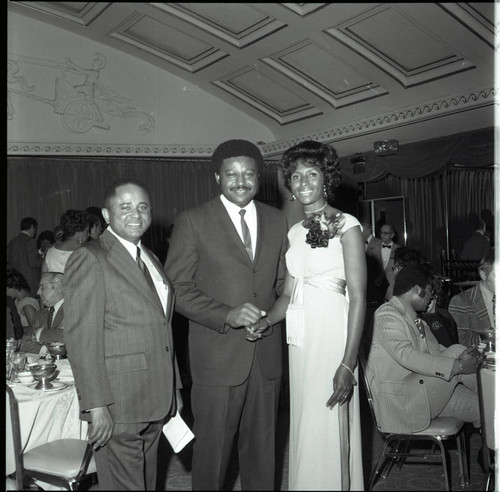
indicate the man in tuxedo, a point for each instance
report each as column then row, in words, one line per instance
column 226, row 262
column 119, row 340
column 22, row 253
column 48, row 322
column 387, row 250
column 474, row 309
column 412, row 377
column 377, row 284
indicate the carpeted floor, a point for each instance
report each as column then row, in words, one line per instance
column 175, row 470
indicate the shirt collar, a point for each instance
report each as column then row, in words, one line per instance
column 130, row 247
column 57, row 305
column 233, row 208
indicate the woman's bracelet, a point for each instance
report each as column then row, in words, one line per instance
column 269, row 330
column 351, row 371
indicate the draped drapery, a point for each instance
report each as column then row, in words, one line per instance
column 459, row 197
column 45, row 187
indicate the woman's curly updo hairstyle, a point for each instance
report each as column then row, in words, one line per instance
column 315, row 154
column 74, row 221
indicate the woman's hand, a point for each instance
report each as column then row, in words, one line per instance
column 343, row 382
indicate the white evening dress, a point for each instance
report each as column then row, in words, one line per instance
column 315, row 430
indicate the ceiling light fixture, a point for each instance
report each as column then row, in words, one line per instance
column 385, row 147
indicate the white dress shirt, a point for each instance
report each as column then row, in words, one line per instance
column 386, row 254
column 161, row 286
column 250, row 218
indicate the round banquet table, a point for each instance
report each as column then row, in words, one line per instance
column 45, row 416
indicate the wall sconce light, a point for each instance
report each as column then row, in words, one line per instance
column 385, row 147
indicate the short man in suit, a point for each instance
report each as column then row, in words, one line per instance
column 22, row 253
column 227, row 267
column 412, row 377
column 48, row 322
column 474, row 309
column 118, row 306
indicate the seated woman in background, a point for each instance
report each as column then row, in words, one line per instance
column 76, row 231
column 25, row 302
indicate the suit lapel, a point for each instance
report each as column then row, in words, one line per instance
column 123, row 263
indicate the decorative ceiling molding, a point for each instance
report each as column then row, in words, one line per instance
column 220, row 20
column 79, row 12
column 397, row 54
column 267, row 95
column 406, row 116
column 149, row 34
column 323, row 73
column 304, row 9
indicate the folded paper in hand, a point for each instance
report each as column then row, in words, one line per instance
column 177, row 432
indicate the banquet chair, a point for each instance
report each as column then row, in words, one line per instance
column 487, row 411
column 397, row 446
column 67, row 463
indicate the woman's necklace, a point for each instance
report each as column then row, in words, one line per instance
column 318, row 210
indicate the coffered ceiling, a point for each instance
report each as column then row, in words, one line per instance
column 347, row 73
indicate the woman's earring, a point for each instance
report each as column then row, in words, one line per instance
column 325, row 194
column 292, row 198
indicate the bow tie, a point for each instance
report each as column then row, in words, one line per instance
column 366, row 242
column 386, row 246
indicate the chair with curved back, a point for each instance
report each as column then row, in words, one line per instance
column 397, row 446
column 67, row 463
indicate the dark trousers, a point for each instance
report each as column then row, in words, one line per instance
column 129, row 460
column 221, row 411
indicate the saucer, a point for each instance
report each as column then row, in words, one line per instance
column 55, row 386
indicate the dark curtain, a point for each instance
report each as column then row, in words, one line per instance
column 461, row 196
column 45, row 187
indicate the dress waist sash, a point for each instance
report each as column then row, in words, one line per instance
column 295, row 320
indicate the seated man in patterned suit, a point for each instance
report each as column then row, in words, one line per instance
column 473, row 309
column 412, row 377
column 48, row 323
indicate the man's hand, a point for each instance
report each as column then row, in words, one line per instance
column 469, row 359
column 100, row 427
column 245, row 315
column 256, row 331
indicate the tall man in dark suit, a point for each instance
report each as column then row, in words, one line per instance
column 387, row 250
column 22, row 253
column 227, row 270
column 118, row 309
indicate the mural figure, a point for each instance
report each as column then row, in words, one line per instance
column 82, row 105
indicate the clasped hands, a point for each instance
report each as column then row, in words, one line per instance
column 251, row 318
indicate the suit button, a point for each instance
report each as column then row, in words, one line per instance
column 167, row 349
column 255, row 294
column 421, row 381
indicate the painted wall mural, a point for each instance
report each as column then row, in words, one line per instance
column 81, row 99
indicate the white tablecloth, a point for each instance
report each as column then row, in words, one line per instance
column 49, row 415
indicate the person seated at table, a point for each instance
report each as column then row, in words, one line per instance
column 48, row 323
column 25, row 302
column 438, row 319
column 473, row 309
column 76, row 232
column 412, row 377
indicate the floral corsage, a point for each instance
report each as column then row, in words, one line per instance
column 322, row 228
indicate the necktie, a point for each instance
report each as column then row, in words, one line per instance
column 247, row 240
column 50, row 317
column 420, row 326
column 386, row 246
column 145, row 271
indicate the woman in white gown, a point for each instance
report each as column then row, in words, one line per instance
column 324, row 300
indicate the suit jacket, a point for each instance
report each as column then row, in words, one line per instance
column 55, row 334
column 118, row 337
column 22, row 254
column 469, row 312
column 398, row 357
column 476, row 247
column 212, row 273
